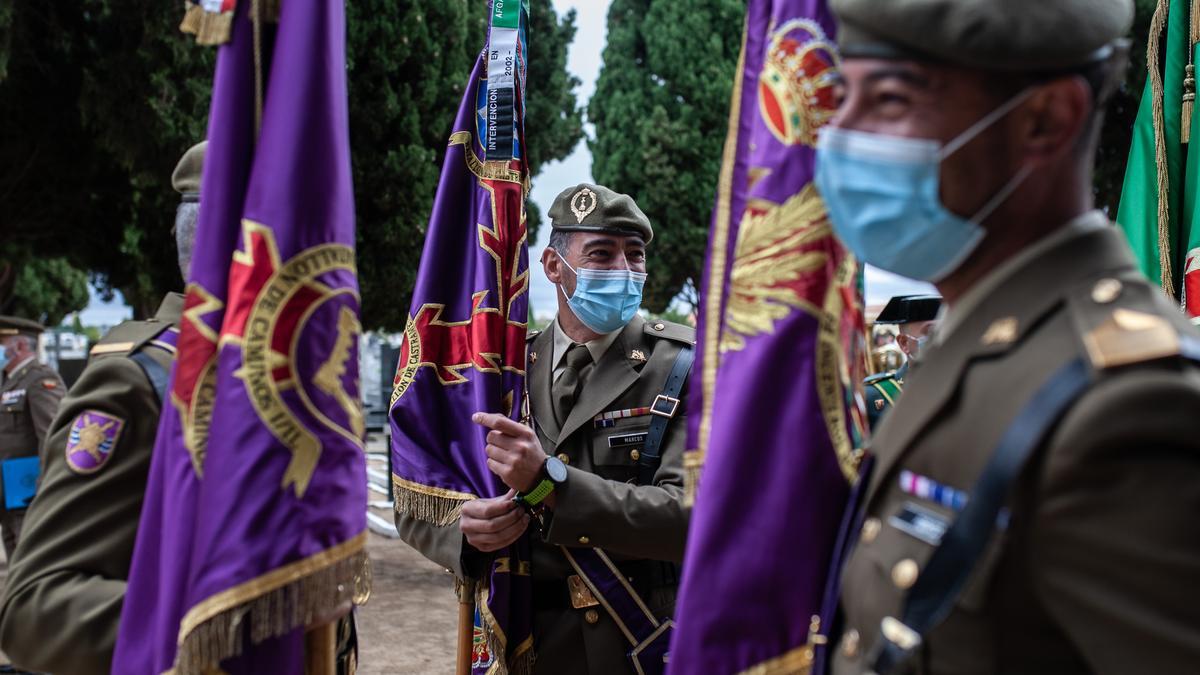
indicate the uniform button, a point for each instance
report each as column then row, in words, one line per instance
column 634, row 455
column 870, row 530
column 660, row 326
column 562, row 457
column 1106, row 290
column 583, row 539
column 591, row 616
column 850, row 643
column 904, row 574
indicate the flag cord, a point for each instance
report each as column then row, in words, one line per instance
column 256, row 19
column 1189, row 78
column 1157, row 25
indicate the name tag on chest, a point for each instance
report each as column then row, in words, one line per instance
column 12, row 397
column 919, row 522
column 626, row 440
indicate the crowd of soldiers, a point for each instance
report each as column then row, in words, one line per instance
column 1049, row 382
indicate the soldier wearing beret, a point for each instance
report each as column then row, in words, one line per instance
column 1032, row 503
column 66, row 582
column 916, row 317
column 601, row 466
column 29, row 396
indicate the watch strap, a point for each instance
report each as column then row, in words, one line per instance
column 538, row 493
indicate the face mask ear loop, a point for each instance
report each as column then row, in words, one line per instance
column 568, row 265
column 985, row 122
column 1004, row 193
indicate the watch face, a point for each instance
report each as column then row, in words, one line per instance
column 556, row 469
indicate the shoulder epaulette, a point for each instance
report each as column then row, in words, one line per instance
column 128, row 337
column 879, row 377
column 671, row 331
column 1122, row 323
column 532, row 335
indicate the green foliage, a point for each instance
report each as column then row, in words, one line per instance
column 1117, row 133
column 660, row 110
column 409, row 63
column 47, row 290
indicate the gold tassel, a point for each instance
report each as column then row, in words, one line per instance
column 192, row 18
column 1189, row 80
column 211, row 635
column 1157, row 24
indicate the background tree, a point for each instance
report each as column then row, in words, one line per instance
column 409, row 63
column 100, row 98
column 660, row 111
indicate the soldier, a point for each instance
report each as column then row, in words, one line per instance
column 1033, row 498
column 602, row 465
column 66, row 583
column 29, row 396
column 916, row 318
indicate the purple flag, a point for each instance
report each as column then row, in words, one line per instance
column 463, row 349
column 778, row 437
column 254, row 522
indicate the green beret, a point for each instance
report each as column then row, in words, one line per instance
column 1006, row 35
column 186, row 179
column 595, row 208
column 15, row 325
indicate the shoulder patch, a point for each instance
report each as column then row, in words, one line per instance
column 92, row 440
column 671, row 331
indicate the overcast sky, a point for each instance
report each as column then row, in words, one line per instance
column 583, row 60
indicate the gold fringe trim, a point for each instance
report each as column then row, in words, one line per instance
column 210, row 28
column 1157, row 23
column 522, row 660
column 693, row 461
column 273, row 604
column 435, row 505
column 717, row 263
column 796, row 662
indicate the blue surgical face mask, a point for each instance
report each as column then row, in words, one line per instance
column 4, row 357
column 605, row 300
column 882, row 194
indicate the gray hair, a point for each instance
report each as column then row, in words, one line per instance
column 185, row 233
column 560, row 241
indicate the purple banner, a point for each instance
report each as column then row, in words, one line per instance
column 255, row 514
column 463, row 352
column 778, row 437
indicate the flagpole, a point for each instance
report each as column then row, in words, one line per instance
column 466, row 626
column 320, row 649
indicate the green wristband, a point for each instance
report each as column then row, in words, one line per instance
column 537, row 494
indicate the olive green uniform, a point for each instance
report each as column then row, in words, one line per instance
column 882, row 390
column 1095, row 570
column 600, row 505
column 67, row 580
column 29, row 397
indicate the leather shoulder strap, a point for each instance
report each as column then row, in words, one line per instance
column 157, row 375
column 663, row 410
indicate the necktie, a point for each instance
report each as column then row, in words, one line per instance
column 566, row 387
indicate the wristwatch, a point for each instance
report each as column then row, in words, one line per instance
column 554, row 473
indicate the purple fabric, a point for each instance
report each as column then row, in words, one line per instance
column 272, row 265
column 464, row 346
column 783, row 423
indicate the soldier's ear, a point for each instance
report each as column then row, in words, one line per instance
column 552, row 264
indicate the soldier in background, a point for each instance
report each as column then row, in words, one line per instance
column 29, row 395
column 67, row 580
column 915, row 316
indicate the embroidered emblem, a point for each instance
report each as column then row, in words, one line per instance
column 93, row 438
column 1001, row 332
column 533, row 357
column 49, row 384
column 637, row 355
column 481, row 653
column 879, row 404
column 582, row 204
column 797, row 86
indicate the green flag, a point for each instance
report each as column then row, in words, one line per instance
column 1158, row 209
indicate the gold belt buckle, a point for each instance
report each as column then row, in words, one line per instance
column 581, row 595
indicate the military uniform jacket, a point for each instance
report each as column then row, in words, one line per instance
column 29, row 399
column 67, row 580
column 601, row 505
column 1096, row 568
column 882, row 390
